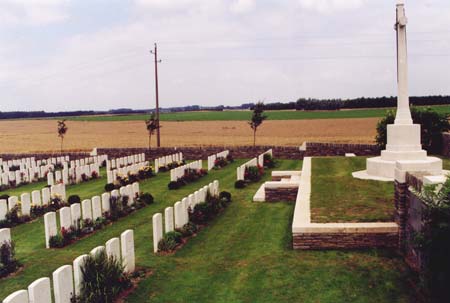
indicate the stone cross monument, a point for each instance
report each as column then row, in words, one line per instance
column 403, row 149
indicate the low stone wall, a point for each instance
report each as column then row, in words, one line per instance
column 322, row 241
column 446, row 144
column 197, row 153
column 278, row 178
column 333, row 149
column 281, row 194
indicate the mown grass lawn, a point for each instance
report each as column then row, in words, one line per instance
column 245, row 255
column 338, row 197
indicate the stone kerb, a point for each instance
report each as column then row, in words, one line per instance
column 307, row 235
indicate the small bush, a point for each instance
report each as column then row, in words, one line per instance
column 239, row 184
column 147, row 198
column 109, row 187
column 8, row 262
column 174, row 235
column 225, row 196
column 74, row 199
column 188, row 229
column 173, row 185
column 56, row 241
column 103, row 279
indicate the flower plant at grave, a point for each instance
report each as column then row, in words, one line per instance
column 269, row 162
column 190, row 175
column 222, row 161
column 253, row 173
column 119, row 208
column 198, row 218
column 143, row 174
column 172, row 165
column 8, row 262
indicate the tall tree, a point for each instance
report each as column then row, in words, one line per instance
column 62, row 130
column 152, row 125
column 257, row 119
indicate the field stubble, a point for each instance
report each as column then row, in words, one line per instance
column 40, row 135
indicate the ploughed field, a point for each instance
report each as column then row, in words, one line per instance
column 244, row 255
column 41, row 135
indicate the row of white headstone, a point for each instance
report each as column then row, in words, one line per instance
column 91, row 209
column 178, row 172
column 29, row 175
column 132, row 169
column 68, row 279
column 88, row 160
column 124, row 161
column 253, row 162
column 28, row 200
column 73, row 175
column 30, row 162
column 212, row 158
column 166, row 160
column 178, row 215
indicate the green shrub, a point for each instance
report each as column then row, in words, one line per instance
column 103, row 279
column 188, row 229
column 239, row 184
column 173, row 185
column 8, row 262
column 225, row 196
column 167, row 244
column 433, row 124
column 147, row 198
column 56, row 241
column 174, row 235
column 74, row 199
column 109, row 187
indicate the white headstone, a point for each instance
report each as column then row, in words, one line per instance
column 157, row 231
column 45, row 196
column 12, row 202
column 78, row 263
column 65, row 217
column 96, row 208
column 179, row 216
column 86, row 209
column 25, row 204
column 168, row 219
column 63, row 284
column 50, row 179
column 40, row 291
column 36, row 197
column 127, row 248
column 113, row 248
column 5, row 236
column 50, row 227
column 97, row 250
column 136, row 189
column 106, row 206
column 75, row 214
column 184, row 207
column 20, row 296
column 3, row 209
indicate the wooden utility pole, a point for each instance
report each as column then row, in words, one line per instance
column 158, row 134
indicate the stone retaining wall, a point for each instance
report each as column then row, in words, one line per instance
column 333, row 149
column 281, row 194
column 321, row 241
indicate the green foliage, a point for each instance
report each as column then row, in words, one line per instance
column 147, row 198
column 225, row 196
column 8, row 262
column 188, row 229
column 434, row 242
column 433, row 124
column 56, row 241
column 151, row 124
column 62, row 130
column 73, row 199
column 269, row 162
column 174, row 185
column 103, row 279
column 239, row 184
column 170, row 241
column 257, row 119
column 110, row 187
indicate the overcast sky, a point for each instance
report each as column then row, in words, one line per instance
column 94, row 54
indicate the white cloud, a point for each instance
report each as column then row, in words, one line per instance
column 330, row 6
column 242, row 6
column 32, row 12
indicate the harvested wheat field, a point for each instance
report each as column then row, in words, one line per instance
column 40, row 135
